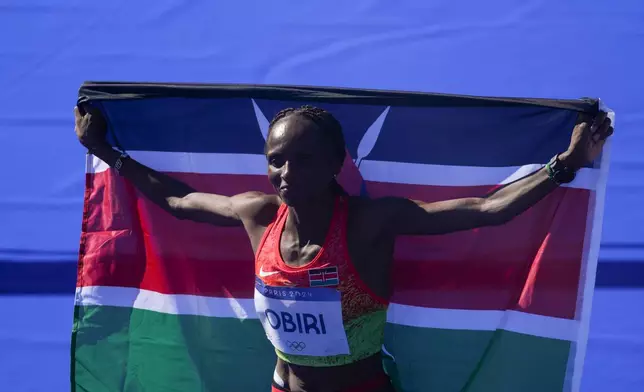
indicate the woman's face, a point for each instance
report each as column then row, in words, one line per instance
column 301, row 163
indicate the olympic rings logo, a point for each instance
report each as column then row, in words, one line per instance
column 298, row 346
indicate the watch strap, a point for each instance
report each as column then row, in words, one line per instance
column 119, row 161
column 558, row 172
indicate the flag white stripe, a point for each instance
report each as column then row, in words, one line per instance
column 393, row 172
column 484, row 320
column 165, row 303
column 195, row 162
column 589, row 266
column 443, row 175
column 454, row 319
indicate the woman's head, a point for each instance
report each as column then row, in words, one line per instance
column 305, row 150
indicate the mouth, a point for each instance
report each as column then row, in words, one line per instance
column 285, row 191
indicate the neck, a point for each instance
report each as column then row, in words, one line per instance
column 309, row 218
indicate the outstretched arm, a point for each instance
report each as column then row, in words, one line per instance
column 176, row 197
column 410, row 217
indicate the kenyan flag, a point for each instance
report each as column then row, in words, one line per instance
column 166, row 305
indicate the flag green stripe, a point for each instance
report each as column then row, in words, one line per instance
column 120, row 348
column 444, row 360
column 126, row 349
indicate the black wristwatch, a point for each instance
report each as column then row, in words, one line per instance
column 558, row 172
column 119, row 161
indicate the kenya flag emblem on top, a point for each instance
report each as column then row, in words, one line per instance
column 324, row 277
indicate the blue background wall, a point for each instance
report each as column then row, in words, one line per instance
column 542, row 48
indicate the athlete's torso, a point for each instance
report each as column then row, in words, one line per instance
column 351, row 269
column 370, row 251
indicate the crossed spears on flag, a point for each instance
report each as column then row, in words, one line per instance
column 366, row 145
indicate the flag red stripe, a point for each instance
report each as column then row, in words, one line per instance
column 499, row 260
column 132, row 243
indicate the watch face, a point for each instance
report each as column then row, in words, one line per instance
column 560, row 172
column 557, row 165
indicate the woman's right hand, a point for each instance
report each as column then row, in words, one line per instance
column 90, row 128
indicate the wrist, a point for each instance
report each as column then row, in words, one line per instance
column 98, row 149
column 559, row 172
column 568, row 162
column 105, row 153
column 113, row 157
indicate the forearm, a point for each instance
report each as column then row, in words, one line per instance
column 515, row 198
column 408, row 217
column 160, row 188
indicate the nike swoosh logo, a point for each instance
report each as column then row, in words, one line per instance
column 263, row 274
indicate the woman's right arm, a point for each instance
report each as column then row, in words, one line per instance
column 176, row 197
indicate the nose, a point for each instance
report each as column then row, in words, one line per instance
column 286, row 172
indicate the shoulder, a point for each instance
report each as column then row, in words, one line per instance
column 256, row 206
column 386, row 215
column 374, row 213
column 380, row 206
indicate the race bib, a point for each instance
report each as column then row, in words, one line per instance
column 302, row 321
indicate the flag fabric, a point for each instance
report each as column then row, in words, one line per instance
column 164, row 304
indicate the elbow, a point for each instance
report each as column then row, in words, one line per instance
column 495, row 214
column 175, row 206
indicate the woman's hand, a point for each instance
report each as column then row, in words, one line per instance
column 587, row 140
column 90, row 128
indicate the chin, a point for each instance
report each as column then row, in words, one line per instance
column 293, row 200
column 287, row 198
column 286, row 201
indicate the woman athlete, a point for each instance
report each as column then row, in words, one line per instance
column 323, row 258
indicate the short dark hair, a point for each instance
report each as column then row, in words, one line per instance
column 324, row 120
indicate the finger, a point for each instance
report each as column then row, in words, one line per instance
column 94, row 111
column 584, row 118
column 607, row 133
column 598, row 121
column 77, row 115
column 602, row 132
column 81, row 108
column 86, row 107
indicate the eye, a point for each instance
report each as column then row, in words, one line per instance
column 276, row 161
